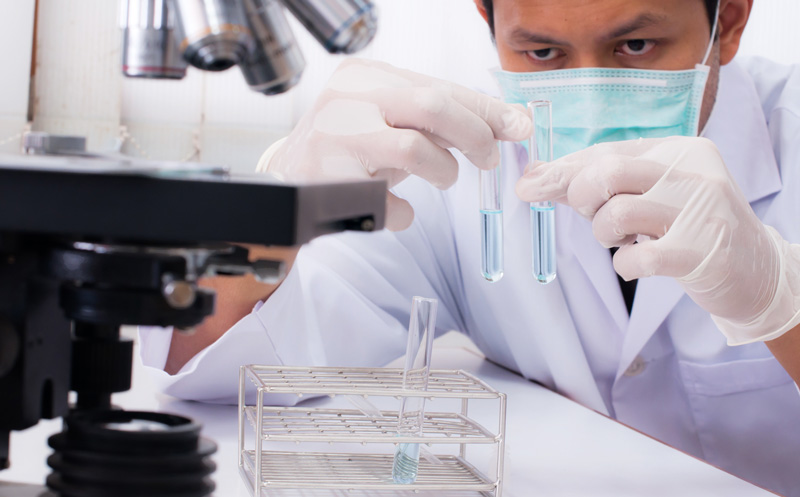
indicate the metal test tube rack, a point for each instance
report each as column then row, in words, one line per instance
column 263, row 468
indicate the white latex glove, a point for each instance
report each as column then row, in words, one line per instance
column 702, row 231
column 375, row 120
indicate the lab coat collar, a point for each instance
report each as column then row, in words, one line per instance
column 738, row 127
column 594, row 259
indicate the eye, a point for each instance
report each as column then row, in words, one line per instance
column 636, row 47
column 544, row 54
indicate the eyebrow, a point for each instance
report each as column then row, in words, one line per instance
column 643, row 21
column 522, row 35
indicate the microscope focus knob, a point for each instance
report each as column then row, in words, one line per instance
column 179, row 294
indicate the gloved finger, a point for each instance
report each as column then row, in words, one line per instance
column 624, row 217
column 610, row 175
column 655, row 258
column 552, row 182
column 435, row 112
column 355, row 75
column 625, row 148
column 437, row 140
column 391, row 176
column 399, row 213
column 410, row 151
column 509, row 122
column 547, row 181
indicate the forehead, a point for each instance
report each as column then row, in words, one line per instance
column 558, row 11
column 598, row 18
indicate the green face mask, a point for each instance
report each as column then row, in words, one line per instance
column 596, row 105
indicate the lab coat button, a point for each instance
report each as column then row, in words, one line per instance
column 637, row 366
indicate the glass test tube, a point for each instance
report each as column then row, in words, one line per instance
column 421, row 329
column 491, row 223
column 543, row 229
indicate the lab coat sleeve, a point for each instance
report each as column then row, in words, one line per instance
column 346, row 302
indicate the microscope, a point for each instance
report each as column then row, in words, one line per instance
column 91, row 242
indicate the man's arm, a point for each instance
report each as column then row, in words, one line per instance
column 786, row 349
column 236, row 296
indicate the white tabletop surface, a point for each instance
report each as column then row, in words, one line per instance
column 555, row 447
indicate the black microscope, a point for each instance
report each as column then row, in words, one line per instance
column 90, row 242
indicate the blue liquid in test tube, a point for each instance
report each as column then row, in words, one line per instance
column 544, row 241
column 492, row 244
column 491, row 224
column 406, row 463
column 543, row 226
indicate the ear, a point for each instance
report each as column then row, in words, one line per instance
column 733, row 15
column 482, row 11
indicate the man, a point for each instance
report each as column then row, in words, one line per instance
column 699, row 209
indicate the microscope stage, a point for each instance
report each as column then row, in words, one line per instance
column 172, row 203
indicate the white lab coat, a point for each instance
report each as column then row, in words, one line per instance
column 665, row 370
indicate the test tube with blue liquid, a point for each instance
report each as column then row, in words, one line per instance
column 543, row 228
column 411, row 415
column 491, row 207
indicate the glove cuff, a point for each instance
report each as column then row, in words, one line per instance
column 783, row 313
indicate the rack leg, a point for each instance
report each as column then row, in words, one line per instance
column 259, row 439
column 241, row 416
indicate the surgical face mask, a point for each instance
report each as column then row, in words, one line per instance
column 596, row 105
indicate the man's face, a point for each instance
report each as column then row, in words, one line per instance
column 541, row 35
column 537, row 35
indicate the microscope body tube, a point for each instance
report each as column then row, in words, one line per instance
column 341, row 26
column 276, row 63
column 151, row 38
column 216, row 33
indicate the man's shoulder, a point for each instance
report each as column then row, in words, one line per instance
column 777, row 84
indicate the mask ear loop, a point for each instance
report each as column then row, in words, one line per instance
column 714, row 29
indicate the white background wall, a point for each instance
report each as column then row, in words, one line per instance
column 215, row 117
column 16, row 33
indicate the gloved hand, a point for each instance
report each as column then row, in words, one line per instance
column 375, row 120
column 697, row 227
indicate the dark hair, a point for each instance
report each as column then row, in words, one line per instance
column 711, row 9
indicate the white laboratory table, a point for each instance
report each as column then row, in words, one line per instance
column 555, row 447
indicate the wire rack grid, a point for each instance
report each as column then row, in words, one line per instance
column 271, row 469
